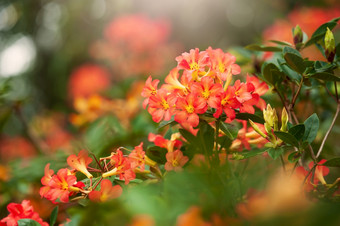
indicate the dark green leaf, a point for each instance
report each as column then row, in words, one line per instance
column 252, row 153
column 205, row 137
column 281, row 43
column 294, row 59
column 188, row 136
column 247, row 116
column 27, row 222
column 297, row 131
column 157, row 154
column 167, row 123
column 294, row 157
column 311, row 128
column 230, row 130
column 54, row 214
column 287, row 138
column 333, row 162
column 293, row 75
column 321, row 31
column 325, row 76
column 275, row 152
column 272, row 73
column 256, row 47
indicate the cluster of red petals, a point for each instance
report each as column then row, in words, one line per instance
column 175, row 161
column 106, row 192
column 135, row 44
column 201, row 82
column 169, row 145
column 320, row 172
column 59, row 186
column 21, row 211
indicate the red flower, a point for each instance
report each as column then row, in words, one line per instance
column 161, row 105
column 21, row 211
column 228, row 103
column 106, row 192
column 59, row 186
column 137, row 157
column 122, row 167
column 261, row 88
column 175, row 161
column 194, row 62
column 80, row 162
column 150, row 89
column 209, row 90
column 173, row 84
column 165, row 143
column 87, row 80
column 188, row 107
column 223, row 64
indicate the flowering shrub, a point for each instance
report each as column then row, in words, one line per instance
column 222, row 133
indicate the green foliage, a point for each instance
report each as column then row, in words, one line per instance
column 287, row 138
column 27, row 222
column 275, row 152
column 54, row 214
column 311, row 128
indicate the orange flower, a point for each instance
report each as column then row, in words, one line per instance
column 21, row 211
column 192, row 217
column 165, row 143
column 161, row 106
column 150, row 89
column 59, row 186
column 80, row 162
column 88, row 79
column 175, row 161
column 106, row 192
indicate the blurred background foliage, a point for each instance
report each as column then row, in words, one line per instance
column 54, row 53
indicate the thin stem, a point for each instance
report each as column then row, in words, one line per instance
column 283, row 163
column 329, row 130
column 296, row 94
column 217, row 131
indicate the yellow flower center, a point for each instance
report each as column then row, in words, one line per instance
column 206, row 94
column 175, row 162
column 189, row 108
column 221, row 67
column 165, row 105
column 153, row 92
column 224, row 101
column 194, row 66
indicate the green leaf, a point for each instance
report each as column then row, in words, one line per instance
column 311, row 128
column 294, row 59
column 27, row 222
column 256, row 47
column 297, row 131
column 54, row 214
column 321, row 31
column 281, row 43
column 247, row 116
column 294, row 157
column 252, row 153
column 287, row 138
column 293, row 75
column 166, row 123
column 157, row 154
column 188, row 136
column 335, row 162
column 272, row 73
column 325, row 76
column 205, row 137
column 275, row 152
column 230, row 130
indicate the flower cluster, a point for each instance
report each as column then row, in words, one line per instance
column 135, row 45
column 64, row 184
column 21, row 211
column 201, row 83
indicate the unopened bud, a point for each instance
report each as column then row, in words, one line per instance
column 275, row 120
column 284, row 120
column 329, row 45
column 257, row 129
column 297, row 35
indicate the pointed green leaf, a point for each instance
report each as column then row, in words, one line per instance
column 247, row 116
column 230, row 130
column 252, row 153
column 287, row 138
column 311, row 128
column 27, row 222
column 321, row 31
column 294, row 59
column 335, row 162
column 275, row 152
column 297, row 131
column 157, row 154
column 54, row 214
column 325, row 76
column 293, row 75
column 256, row 47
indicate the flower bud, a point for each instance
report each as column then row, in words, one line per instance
column 329, row 45
column 284, row 120
column 270, row 118
column 257, row 129
column 297, row 35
